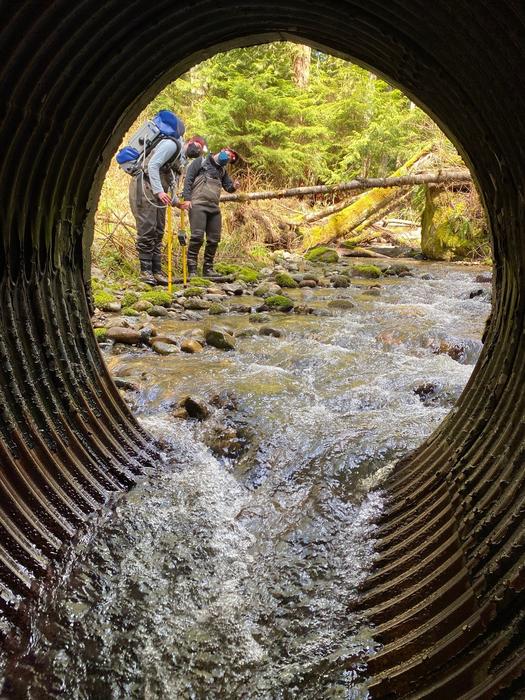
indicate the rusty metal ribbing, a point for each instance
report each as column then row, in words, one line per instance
column 447, row 591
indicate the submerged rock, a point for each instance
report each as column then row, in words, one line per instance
column 268, row 330
column 341, row 304
column 220, row 339
column 190, row 345
column 128, row 336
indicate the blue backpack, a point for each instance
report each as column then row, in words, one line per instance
column 164, row 125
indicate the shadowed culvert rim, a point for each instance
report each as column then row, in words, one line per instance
column 447, row 590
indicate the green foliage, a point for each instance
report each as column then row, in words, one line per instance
column 362, row 270
column 283, row 279
column 279, row 302
column 157, row 297
column 322, row 254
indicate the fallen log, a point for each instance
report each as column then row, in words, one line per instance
column 438, row 177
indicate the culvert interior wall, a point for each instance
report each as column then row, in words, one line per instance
column 447, row 592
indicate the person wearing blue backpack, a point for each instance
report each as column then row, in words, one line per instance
column 155, row 159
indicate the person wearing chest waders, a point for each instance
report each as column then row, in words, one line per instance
column 151, row 191
column 205, row 179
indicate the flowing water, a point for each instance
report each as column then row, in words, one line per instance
column 231, row 570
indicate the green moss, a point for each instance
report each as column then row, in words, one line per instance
column 279, row 302
column 322, row 254
column 193, row 292
column 200, row 282
column 216, row 309
column 372, row 271
column 129, row 298
column 283, row 279
column 102, row 299
column 128, row 311
column 157, row 297
column 226, row 268
column 101, row 334
column 247, row 274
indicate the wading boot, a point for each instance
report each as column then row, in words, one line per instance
column 209, row 255
column 146, row 274
column 193, row 252
column 161, row 279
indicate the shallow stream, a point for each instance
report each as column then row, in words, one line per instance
column 230, row 571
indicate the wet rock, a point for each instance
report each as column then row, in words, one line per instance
column 303, row 309
column 180, row 412
column 125, row 384
column 268, row 330
column 224, row 399
column 142, row 305
column 341, row 304
column 372, row 292
column 128, row 336
column 113, row 306
column 220, row 339
column 427, row 276
column 223, row 441
column 190, row 345
column 259, row 318
column 426, row 391
column 457, row 351
column 233, row 288
column 241, row 308
column 158, row 311
column 217, row 309
column 267, row 289
column 483, row 278
column 164, row 348
column 340, row 281
column 194, row 407
column 165, row 338
column 194, row 304
column 476, row 293
column 308, row 283
column 197, row 334
column 398, row 270
column 245, row 332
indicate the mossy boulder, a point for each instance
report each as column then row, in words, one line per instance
column 128, row 311
column 193, row 292
column 283, row 279
column 142, row 305
column 363, row 270
column 248, row 275
column 278, row 302
column 103, row 300
column 101, row 334
column 453, row 228
column 128, row 299
column 200, row 282
column 220, row 339
column 226, row 268
column 157, row 297
column 217, row 309
column 322, row 254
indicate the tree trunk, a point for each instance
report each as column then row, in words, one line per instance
column 440, row 176
column 301, row 58
column 368, row 204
